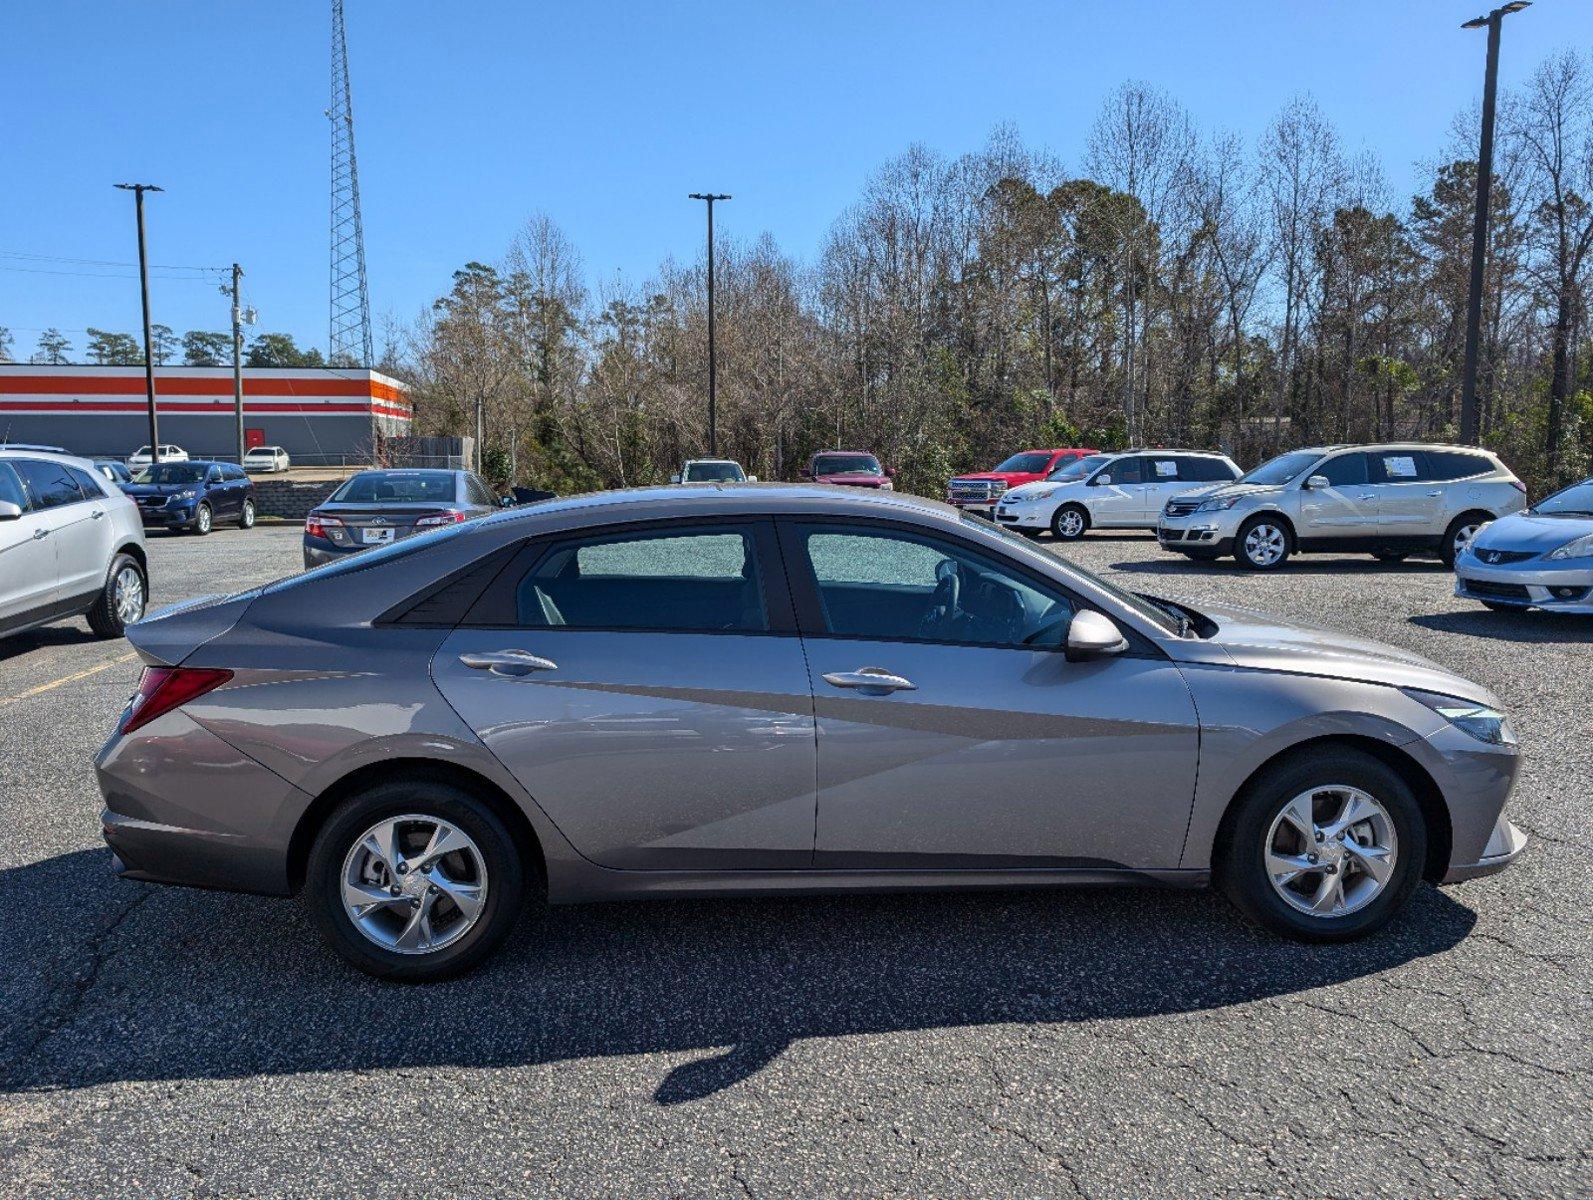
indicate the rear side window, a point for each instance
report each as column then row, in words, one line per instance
column 1164, row 470
column 1205, row 470
column 1397, row 466
column 11, row 487
column 1347, row 470
column 1456, row 464
column 477, row 492
column 677, row 580
column 87, row 483
column 50, row 484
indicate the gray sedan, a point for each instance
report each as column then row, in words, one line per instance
column 375, row 508
column 695, row 691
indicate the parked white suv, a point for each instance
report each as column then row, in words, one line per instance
column 1389, row 501
column 70, row 544
column 1126, row 490
column 711, row 470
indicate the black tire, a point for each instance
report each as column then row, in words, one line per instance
column 203, row 520
column 1070, row 522
column 348, row 822
column 106, row 618
column 1390, row 556
column 1243, row 554
column 246, row 515
column 1495, row 606
column 1240, row 868
column 1447, row 549
column 1201, row 556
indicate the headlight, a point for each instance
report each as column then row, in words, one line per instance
column 187, row 494
column 1581, row 547
column 1481, row 722
column 1044, row 493
column 1219, row 504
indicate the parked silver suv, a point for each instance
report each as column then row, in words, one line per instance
column 1389, row 501
column 70, row 544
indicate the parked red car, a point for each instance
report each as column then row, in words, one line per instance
column 849, row 468
column 979, row 492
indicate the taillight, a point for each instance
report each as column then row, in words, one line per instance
column 316, row 525
column 442, row 518
column 1519, row 486
column 164, row 688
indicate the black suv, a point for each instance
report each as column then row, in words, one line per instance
column 193, row 495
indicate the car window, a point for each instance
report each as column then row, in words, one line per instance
column 479, row 492
column 674, row 580
column 213, row 475
column 899, row 586
column 1125, row 470
column 50, row 484
column 1396, row 466
column 1162, row 470
column 846, row 464
column 1079, row 468
column 228, row 471
column 170, row 473
column 1576, row 501
column 1347, row 470
column 714, row 472
column 1200, row 469
column 369, row 487
column 1027, row 463
column 1456, row 464
column 11, row 487
column 87, row 483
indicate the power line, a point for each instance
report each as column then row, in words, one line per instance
column 102, row 262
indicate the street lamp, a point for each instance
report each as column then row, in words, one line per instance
column 713, row 426
column 1479, row 228
column 138, row 190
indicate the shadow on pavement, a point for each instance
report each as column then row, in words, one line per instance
column 1177, row 564
column 108, row 980
column 1529, row 626
column 75, row 633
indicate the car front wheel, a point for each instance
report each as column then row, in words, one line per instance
column 202, row 520
column 414, row 880
column 1069, row 522
column 1324, row 847
column 246, row 517
column 122, row 600
column 1262, row 544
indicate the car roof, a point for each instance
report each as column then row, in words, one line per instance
column 869, row 453
column 14, row 451
column 733, row 499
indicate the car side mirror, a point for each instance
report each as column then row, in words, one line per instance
column 1093, row 635
column 890, row 472
column 752, row 479
column 1317, row 482
column 805, row 473
column 9, row 511
column 1101, row 481
column 675, row 478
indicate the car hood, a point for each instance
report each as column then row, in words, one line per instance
column 1527, row 531
column 855, row 478
column 1241, row 489
column 1262, row 642
column 1025, row 490
column 159, row 489
column 999, row 476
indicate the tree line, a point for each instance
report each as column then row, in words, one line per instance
column 196, row 348
column 1184, row 287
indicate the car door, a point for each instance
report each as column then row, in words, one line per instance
column 28, row 578
column 76, row 524
column 646, row 684
column 1165, row 477
column 1117, row 493
column 1410, row 501
column 1348, row 507
column 946, row 742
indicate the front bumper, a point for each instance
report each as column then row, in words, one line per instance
column 1197, row 532
column 1505, row 844
column 1025, row 514
column 171, row 516
column 1565, row 586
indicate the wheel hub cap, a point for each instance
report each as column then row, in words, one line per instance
column 1331, row 851
column 414, row 884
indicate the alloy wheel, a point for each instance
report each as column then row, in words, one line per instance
column 1265, row 545
column 128, row 594
column 1331, row 851
column 202, row 518
column 1070, row 523
column 1463, row 536
column 414, row 884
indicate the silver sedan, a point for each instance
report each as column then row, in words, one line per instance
column 701, row 690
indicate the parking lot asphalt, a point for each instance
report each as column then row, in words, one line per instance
column 165, row 1042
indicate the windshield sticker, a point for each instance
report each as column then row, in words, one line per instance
column 1167, row 470
column 1400, row 466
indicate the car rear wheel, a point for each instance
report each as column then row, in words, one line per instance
column 1069, row 522
column 1324, row 847
column 203, row 520
column 122, row 600
column 246, row 517
column 414, row 880
column 1263, row 543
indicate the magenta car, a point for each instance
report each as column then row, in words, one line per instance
column 850, row 468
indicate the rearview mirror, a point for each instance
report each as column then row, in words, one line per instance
column 1317, row 482
column 1092, row 635
column 9, row 511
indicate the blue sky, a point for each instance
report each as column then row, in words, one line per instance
column 472, row 116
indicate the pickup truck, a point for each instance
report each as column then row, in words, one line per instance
column 978, row 492
column 850, row 468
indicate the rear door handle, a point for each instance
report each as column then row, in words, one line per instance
column 97, row 513
column 515, row 664
column 871, row 681
column 1435, row 493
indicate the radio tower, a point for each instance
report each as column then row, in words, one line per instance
column 351, row 302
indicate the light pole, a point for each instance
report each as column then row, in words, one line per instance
column 138, row 190
column 1479, row 228
column 713, row 412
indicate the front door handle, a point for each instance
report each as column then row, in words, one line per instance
column 1435, row 493
column 40, row 533
column 1366, row 499
column 871, row 681
column 97, row 513
column 515, row 664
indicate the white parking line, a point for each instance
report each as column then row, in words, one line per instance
column 51, row 686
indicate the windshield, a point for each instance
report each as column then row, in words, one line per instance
column 166, row 473
column 1278, row 471
column 714, row 472
column 375, row 487
column 1153, row 613
column 1079, row 467
column 1574, row 501
column 1029, row 463
column 846, row 464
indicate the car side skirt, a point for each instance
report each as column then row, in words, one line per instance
column 59, row 611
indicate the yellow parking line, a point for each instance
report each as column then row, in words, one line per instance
column 51, row 686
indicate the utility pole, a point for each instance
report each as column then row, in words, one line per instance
column 237, row 358
column 713, row 413
column 138, row 190
column 1479, row 228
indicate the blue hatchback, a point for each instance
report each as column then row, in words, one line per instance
column 192, row 495
column 1540, row 558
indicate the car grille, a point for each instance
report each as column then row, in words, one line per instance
column 1170, row 535
column 1502, row 591
column 1499, row 557
column 982, row 490
column 1181, row 508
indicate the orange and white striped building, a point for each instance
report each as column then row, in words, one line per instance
column 319, row 415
